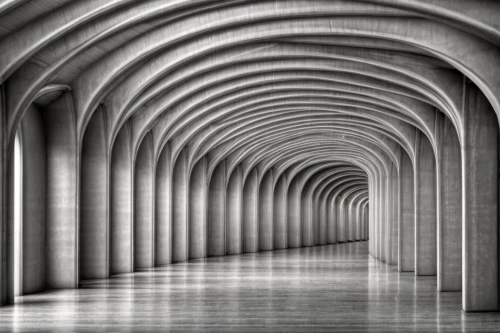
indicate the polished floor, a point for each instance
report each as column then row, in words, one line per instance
column 328, row 288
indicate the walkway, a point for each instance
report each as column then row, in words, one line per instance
column 328, row 288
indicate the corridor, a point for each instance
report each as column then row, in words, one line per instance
column 326, row 288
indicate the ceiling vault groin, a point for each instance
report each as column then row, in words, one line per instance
column 155, row 132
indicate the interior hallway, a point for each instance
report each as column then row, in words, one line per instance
column 326, row 288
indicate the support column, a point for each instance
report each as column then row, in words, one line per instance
column 180, row 218
column 62, row 215
column 251, row 213
column 294, row 214
column 280, row 214
column 163, row 208
column 121, row 219
column 480, row 203
column 217, row 212
column 198, row 209
column 266, row 195
column 406, row 245
column 425, row 207
column 449, row 223
column 144, row 205
column 94, row 200
column 234, row 196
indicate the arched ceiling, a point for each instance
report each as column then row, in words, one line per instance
column 295, row 86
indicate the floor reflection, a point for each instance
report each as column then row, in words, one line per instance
column 328, row 288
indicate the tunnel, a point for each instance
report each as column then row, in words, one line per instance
column 143, row 136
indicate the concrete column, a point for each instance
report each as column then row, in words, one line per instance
column 33, row 205
column 217, row 212
column 94, row 200
column 406, row 253
column 341, row 221
column 198, row 210
column 425, row 207
column 251, row 213
column 180, row 213
column 294, row 214
column 121, row 218
column 234, row 211
column 480, row 203
column 319, row 217
column 323, row 222
column 266, row 198
column 332, row 220
column 307, row 218
column 449, row 217
column 144, row 205
column 61, row 233
column 163, row 208
column 394, row 215
column 280, row 214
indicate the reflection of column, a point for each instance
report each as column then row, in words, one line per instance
column 266, row 195
column 180, row 185
column 449, row 230
column 280, row 214
column 480, row 203
column 406, row 257
column 234, row 212
column 425, row 207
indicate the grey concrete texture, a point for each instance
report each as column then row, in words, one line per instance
column 157, row 132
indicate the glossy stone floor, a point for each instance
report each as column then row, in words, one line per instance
column 329, row 288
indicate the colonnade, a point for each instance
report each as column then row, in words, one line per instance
column 157, row 132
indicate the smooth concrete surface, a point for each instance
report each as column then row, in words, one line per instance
column 266, row 198
column 280, row 228
column 234, row 217
column 133, row 95
column 180, row 208
column 346, row 291
column 406, row 259
column 449, row 223
column 163, row 209
column 33, row 212
column 198, row 209
column 144, row 206
column 425, row 208
column 217, row 212
column 94, row 214
column 61, row 241
column 251, row 213
column 480, row 283
column 122, row 205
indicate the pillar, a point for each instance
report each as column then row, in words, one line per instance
column 406, row 244
column 217, row 211
column 144, row 205
column 180, row 193
column 479, row 203
column 251, row 213
column 280, row 214
column 234, row 210
column 163, row 208
column 425, row 207
column 294, row 214
column 266, row 195
column 198, row 210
